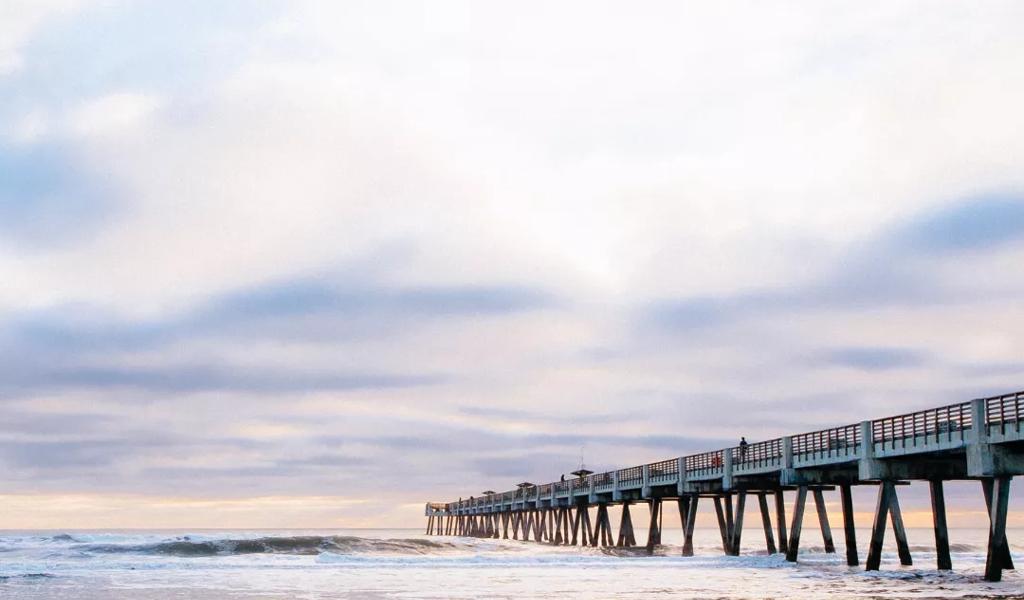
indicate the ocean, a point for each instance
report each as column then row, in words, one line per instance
column 401, row 563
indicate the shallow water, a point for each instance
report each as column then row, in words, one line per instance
column 406, row 564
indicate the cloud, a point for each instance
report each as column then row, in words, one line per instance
column 974, row 224
column 48, row 197
column 899, row 265
column 645, row 244
column 19, row 20
column 114, row 114
column 205, row 378
column 873, row 359
column 84, row 347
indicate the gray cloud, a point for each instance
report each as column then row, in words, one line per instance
column 206, row 378
column 976, row 224
column 873, row 359
column 892, row 268
column 65, row 348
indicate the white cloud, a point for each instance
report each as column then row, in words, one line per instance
column 18, row 20
column 116, row 114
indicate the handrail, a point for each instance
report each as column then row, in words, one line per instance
column 664, row 468
column 945, row 422
column 704, row 460
column 631, row 475
column 827, row 441
column 1000, row 410
column 758, row 452
column 949, row 421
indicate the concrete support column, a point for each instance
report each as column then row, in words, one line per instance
column 943, row 560
column 766, row 522
column 997, row 546
column 797, row 525
column 1002, row 549
column 849, row 532
column 688, row 524
column 737, row 524
column 654, row 528
column 826, row 529
column 723, row 526
column 646, row 489
column 616, row 494
column 780, row 520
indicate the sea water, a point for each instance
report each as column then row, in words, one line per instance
column 406, row 564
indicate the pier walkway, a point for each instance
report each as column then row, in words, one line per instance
column 978, row 440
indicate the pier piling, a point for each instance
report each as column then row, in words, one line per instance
column 691, row 519
column 942, row 557
column 780, row 521
column 766, row 522
column 998, row 498
column 797, row 524
column 826, row 529
column 849, row 531
column 654, row 528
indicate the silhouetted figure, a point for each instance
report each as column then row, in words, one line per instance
column 563, row 476
column 743, row 449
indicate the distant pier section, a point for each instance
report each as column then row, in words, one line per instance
column 979, row 440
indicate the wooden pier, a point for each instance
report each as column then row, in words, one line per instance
column 979, row 440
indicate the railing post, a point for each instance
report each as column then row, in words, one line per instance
column 980, row 454
column 867, row 440
column 979, row 427
column 681, row 479
column 787, row 452
column 646, row 490
column 616, row 494
column 727, row 469
column 868, row 466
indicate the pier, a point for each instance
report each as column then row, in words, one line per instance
column 978, row 440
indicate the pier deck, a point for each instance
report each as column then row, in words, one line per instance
column 979, row 440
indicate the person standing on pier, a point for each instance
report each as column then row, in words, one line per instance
column 743, row 449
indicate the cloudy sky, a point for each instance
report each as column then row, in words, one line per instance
column 313, row 264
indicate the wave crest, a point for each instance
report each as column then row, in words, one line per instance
column 301, row 545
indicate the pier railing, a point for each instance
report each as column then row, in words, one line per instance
column 631, row 477
column 705, row 465
column 826, row 445
column 663, row 471
column 602, row 481
column 1003, row 414
column 945, row 427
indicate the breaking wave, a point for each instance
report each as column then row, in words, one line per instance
column 299, row 545
column 4, row 578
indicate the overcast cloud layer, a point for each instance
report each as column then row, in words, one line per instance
column 317, row 253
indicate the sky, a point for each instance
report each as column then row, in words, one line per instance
column 308, row 264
